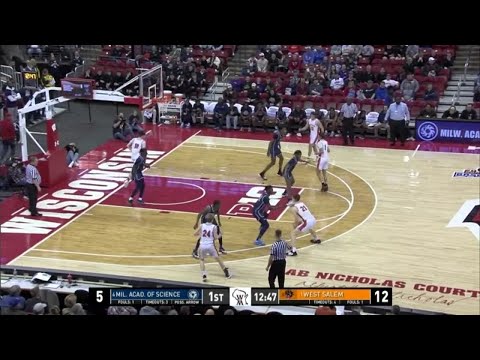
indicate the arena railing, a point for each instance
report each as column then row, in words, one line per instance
column 463, row 79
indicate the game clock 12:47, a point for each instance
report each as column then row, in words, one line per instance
column 264, row 297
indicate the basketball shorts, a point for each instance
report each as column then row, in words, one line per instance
column 322, row 163
column 306, row 225
column 207, row 250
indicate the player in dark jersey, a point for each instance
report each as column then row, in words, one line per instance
column 274, row 151
column 288, row 172
column 214, row 209
column 137, row 176
column 260, row 212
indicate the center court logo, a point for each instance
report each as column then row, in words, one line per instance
column 427, row 131
column 240, row 296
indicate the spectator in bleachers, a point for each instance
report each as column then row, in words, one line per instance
column 330, row 122
column 412, row 51
column 337, row 83
column 262, row 63
column 269, row 85
column 171, row 84
column 294, row 63
column 350, row 90
column 260, row 117
column 367, row 93
column 283, row 63
column 381, row 75
column 2, row 105
column 336, row 50
column 65, row 55
column 118, row 80
column 273, row 98
column 368, row 51
column 347, row 50
column 198, row 112
column 409, row 87
column 99, row 82
column 54, row 65
column 219, row 113
column 469, row 113
column 76, row 309
column 315, row 88
column 381, row 93
column 108, row 78
column 77, row 59
column 16, row 174
column 296, row 120
column 246, row 117
column 319, row 55
column 428, row 112
column 360, row 124
column 148, row 310
column 343, row 72
column 302, row 87
column 447, row 61
column 431, row 68
column 273, row 63
column 308, row 56
column 382, row 124
column 476, row 95
column 121, row 310
column 8, row 137
column 253, row 94
column 47, row 80
column 69, row 301
column 367, row 75
column 409, row 66
column 392, row 52
column 13, row 303
column 232, row 116
column 228, row 94
column 54, row 310
column 12, row 97
column 247, row 84
column 72, row 155
column 430, row 93
column 451, row 113
column 39, row 308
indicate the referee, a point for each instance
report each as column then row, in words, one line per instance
column 276, row 262
column 398, row 118
column 33, row 180
column 348, row 112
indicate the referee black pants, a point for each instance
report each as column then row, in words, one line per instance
column 277, row 270
column 32, row 193
column 347, row 130
column 397, row 130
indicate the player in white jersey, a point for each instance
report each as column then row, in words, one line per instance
column 208, row 233
column 316, row 128
column 136, row 144
column 303, row 222
column 323, row 158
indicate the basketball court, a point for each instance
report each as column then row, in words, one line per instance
column 392, row 217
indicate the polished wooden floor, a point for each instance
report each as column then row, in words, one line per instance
column 384, row 222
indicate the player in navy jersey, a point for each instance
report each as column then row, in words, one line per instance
column 288, row 172
column 137, row 176
column 274, row 151
column 260, row 212
column 213, row 209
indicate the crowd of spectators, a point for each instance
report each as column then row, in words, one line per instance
column 186, row 69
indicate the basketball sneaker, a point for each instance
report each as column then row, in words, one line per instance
column 259, row 242
column 292, row 253
column 140, row 201
column 227, row 273
column 316, row 241
column 222, row 251
column 204, row 278
column 195, row 255
column 279, row 173
column 262, row 175
column 130, row 201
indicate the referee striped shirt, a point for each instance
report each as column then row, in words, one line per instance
column 279, row 250
column 32, row 175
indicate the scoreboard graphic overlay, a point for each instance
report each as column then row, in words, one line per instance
column 241, row 296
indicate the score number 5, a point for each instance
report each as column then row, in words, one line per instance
column 99, row 296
